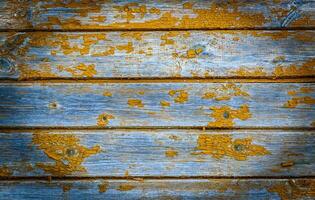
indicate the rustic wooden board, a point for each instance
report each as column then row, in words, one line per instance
column 47, row 14
column 141, row 104
column 157, row 54
column 239, row 189
column 168, row 153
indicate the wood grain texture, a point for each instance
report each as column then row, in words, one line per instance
column 136, row 14
column 147, row 153
column 243, row 189
column 168, row 54
column 99, row 104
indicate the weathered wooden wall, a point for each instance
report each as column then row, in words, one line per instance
column 157, row 99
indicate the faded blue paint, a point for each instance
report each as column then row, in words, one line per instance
column 218, row 59
column 80, row 104
column 142, row 153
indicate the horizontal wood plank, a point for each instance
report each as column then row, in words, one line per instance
column 132, row 104
column 161, row 189
column 136, row 14
column 40, row 55
column 147, row 153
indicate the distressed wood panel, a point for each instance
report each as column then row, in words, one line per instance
column 161, row 189
column 164, row 14
column 132, row 104
column 157, row 54
column 124, row 153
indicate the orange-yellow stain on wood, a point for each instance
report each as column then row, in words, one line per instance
column 252, row 72
column 98, row 18
column 154, row 10
column 180, row 96
column 225, row 92
column 288, row 163
column 296, row 99
column 66, row 187
column 128, row 47
column 65, row 150
column 171, row 153
column 5, row 171
column 103, row 119
column 223, row 15
column 103, row 187
column 129, row 11
column 107, row 94
column 187, row 5
column 81, row 70
column 109, row 52
column 305, row 69
column 193, row 53
column 126, row 187
column 219, row 146
column 166, row 38
column 134, row 35
column 296, row 189
column 164, row 103
column 224, row 115
column 26, row 72
column 135, row 103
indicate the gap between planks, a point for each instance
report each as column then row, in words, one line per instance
column 148, row 128
column 310, row 79
column 162, row 29
column 135, row 178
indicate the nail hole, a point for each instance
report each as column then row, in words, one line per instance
column 71, row 152
column 239, row 147
column 226, row 115
column 53, row 105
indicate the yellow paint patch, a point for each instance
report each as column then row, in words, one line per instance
column 98, row 18
column 110, row 51
column 224, row 116
column 219, row 146
column 81, row 70
column 5, row 171
column 225, row 92
column 223, row 15
column 103, row 187
column 27, row 72
column 180, row 96
column 193, row 53
column 171, row 153
column 103, row 119
column 66, row 188
column 187, row 5
column 126, row 187
column 165, row 103
column 107, row 94
column 305, row 69
column 155, row 11
column 65, row 150
column 134, row 35
column 297, row 189
column 250, row 72
column 128, row 47
column 296, row 100
column 135, row 103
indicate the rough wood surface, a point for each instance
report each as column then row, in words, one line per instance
column 242, row 189
column 124, row 153
column 96, row 14
column 157, row 54
column 132, row 104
